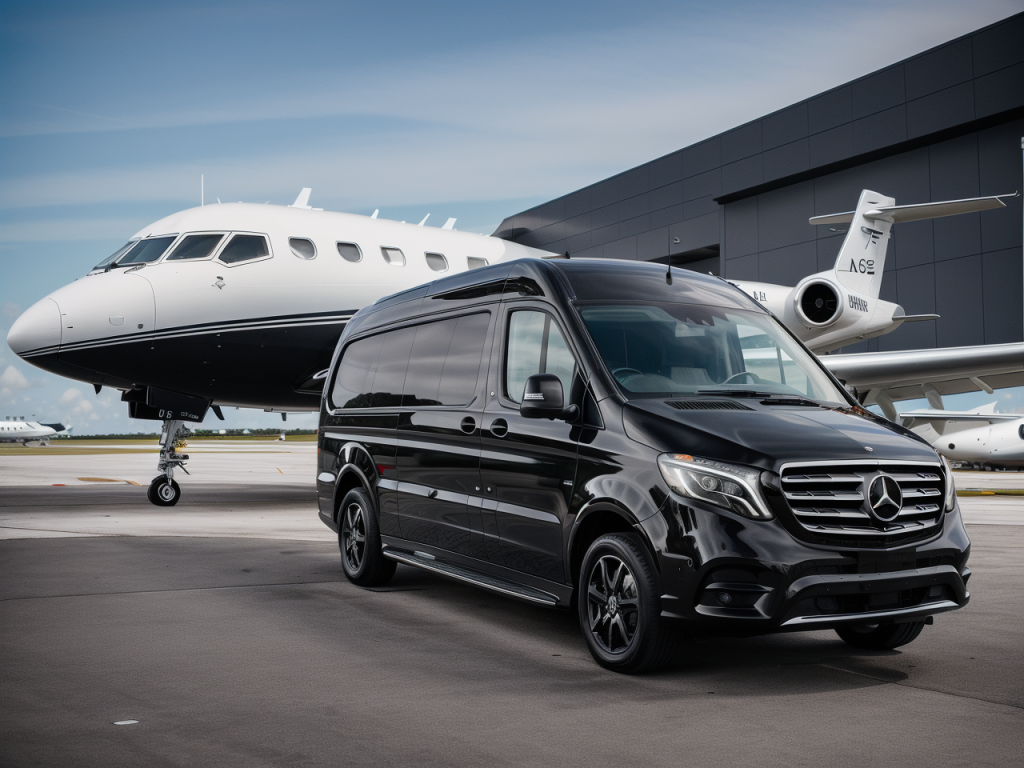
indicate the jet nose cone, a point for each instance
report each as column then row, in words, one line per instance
column 37, row 329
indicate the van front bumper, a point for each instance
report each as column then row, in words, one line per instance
column 725, row 574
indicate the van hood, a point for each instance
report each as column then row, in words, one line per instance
column 768, row 436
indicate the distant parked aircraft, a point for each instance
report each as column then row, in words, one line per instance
column 980, row 438
column 28, row 432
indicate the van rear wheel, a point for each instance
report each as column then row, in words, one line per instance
column 619, row 606
column 359, row 541
column 880, row 637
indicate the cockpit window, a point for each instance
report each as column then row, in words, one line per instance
column 146, row 251
column 116, row 254
column 244, row 248
column 195, row 247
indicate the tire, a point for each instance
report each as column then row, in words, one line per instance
column 880, row 637
column 623, row 629
column 163, row 492
column 359, row 542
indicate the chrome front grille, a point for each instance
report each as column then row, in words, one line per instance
column 831, row 501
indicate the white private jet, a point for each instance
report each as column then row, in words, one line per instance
column 28, row 432
column 981, row 437
column 242, row 305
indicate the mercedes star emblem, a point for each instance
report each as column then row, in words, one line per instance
column 885, row 498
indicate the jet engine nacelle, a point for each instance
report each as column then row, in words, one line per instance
column 818, row 303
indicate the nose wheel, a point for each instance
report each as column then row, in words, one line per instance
column 164, row 492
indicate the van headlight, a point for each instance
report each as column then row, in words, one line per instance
column 950, row 485
column 725, row 485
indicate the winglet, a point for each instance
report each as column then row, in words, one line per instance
column 450, row 224
column 302, row 201
column 424, row 220
column 375, row 212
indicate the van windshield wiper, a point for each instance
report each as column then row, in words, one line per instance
column 736, row 392
column 790, row 400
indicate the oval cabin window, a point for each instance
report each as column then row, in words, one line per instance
column 393, row 256
column 350, row 252
column 302, row 247
column 475, row 262
column 437, row 262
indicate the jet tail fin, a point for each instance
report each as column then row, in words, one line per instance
column 861, row 259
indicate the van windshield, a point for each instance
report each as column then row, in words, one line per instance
column 658, row 350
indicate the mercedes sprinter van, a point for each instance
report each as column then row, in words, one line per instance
column 645, row 445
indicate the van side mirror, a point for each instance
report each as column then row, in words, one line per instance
column 543, row 399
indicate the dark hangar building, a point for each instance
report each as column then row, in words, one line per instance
column 942, row 125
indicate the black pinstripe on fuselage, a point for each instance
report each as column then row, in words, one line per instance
column 255, row 362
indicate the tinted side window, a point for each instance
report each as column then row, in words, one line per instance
column 389, row 378
column 355, row 373
column 426, row 363
column 535, row 345
column 462, row 366
column 445, row 363
column 244, row 248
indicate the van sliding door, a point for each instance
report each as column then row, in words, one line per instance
column 439, row 435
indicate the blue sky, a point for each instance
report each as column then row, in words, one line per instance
column 109, row 113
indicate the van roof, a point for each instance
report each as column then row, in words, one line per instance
column 593, row 280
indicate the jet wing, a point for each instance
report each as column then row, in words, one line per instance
column 911, row 419
column 950, row 370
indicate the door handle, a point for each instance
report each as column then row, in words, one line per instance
column 499, row 427
column 469, row 425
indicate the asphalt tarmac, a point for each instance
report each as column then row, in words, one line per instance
column 225, row 628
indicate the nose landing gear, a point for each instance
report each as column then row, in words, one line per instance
column 164, row 491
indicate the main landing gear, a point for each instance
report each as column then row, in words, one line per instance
column 164, row 491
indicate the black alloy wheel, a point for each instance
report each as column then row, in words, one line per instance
column 880, row 637
column 163, row 492
column 613, row 607
column 619, row 606
column 353, row 535
column 359, row 540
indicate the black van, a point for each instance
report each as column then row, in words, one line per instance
column 650, row 445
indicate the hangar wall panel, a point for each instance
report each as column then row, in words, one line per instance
column 945, row 124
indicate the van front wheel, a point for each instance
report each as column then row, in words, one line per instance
column 619, row 606
column 359, row 540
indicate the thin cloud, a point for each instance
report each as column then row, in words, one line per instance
column 12, row 380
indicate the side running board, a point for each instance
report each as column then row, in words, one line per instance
column 428, row 563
